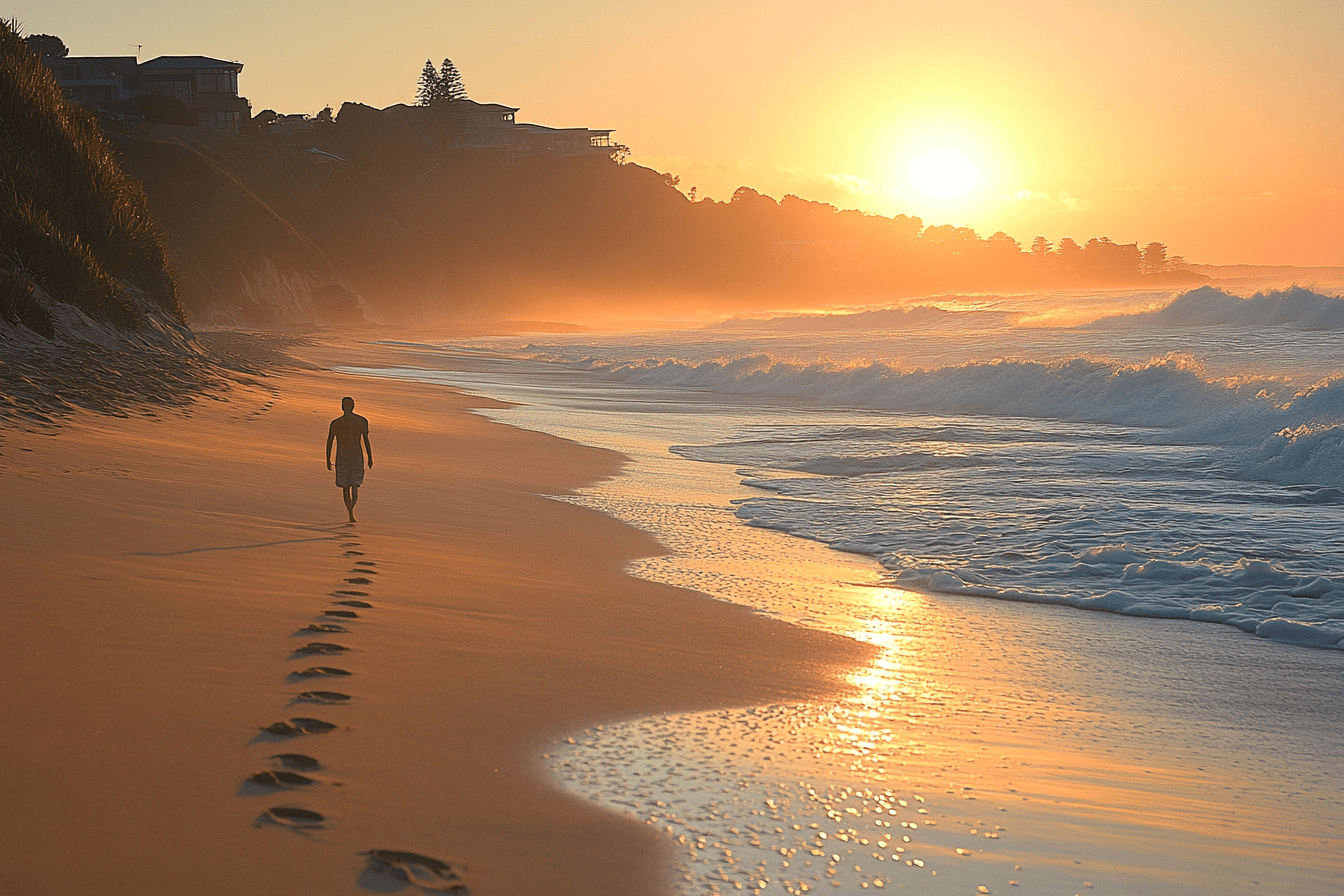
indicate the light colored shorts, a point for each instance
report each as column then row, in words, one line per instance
column 349, row 472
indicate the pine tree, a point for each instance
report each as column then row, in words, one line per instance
column 427, row 89
column 450, row 83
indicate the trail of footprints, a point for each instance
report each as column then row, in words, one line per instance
column 294, row 772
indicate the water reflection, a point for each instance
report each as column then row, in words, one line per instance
column 1015, row 745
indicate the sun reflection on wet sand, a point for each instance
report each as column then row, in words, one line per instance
column 956, row 760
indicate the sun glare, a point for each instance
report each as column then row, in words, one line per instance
column 944, row 174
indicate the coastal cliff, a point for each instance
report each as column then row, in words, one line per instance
column 386, row 216
column 380, row 215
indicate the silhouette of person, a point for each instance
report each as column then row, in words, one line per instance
column 346, row 431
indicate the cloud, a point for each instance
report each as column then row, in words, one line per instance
column 1072, row 203
column 852, row 184
column 1061, row 200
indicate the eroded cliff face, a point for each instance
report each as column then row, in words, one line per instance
column 367, row 219
column 237, row 216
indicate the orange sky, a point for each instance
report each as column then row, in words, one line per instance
column 1215, row 126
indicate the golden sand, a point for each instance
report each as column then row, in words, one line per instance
column 165, row 572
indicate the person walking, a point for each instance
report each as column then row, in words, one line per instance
column 348, row 431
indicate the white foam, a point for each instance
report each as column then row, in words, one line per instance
column 1208, row 306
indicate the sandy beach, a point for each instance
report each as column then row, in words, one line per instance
column 164, row 570
column 892, row 461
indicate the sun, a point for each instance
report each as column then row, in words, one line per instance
column 944, row 174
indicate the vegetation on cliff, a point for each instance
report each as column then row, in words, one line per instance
column 74, row 228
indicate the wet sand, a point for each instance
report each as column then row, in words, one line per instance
column 164, row 569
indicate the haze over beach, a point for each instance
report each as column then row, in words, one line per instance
column 809, row 449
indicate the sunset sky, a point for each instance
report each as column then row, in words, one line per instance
column 1214, row 126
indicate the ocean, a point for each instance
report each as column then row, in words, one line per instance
column 1095, row 538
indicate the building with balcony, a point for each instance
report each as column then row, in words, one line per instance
column 207, row 87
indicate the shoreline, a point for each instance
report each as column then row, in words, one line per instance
column 1105, row 741
column 169, row 561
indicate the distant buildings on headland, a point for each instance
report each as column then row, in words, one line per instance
column 207, row 89
column 490, row 126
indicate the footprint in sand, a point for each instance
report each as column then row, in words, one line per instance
column 341, row 614
column 321, row 647
column 314, row 671
column 298, row 727
column 297, row 760
column 292, row 817
column 424, row 872
column 350, row 593
column 281, row 779
column 324, row 627
column 359, row 580
column 354, row 553
column 362, row 604
column 323, row 697
column 362, row 562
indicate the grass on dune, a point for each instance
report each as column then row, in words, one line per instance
column 71, row 221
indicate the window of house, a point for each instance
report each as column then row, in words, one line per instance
column 179, row 89
column 216, row 80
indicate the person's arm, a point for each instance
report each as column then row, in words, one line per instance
column 368, row 449
column 331, row 437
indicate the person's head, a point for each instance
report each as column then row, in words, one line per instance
column 347, row 404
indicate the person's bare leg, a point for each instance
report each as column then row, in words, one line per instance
column 351, row 499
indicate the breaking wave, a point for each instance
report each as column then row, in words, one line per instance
column 1015, row 464
column 1296, row 308
column 1267, row 434
column 1143, row 489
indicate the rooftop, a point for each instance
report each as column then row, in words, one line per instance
column 190, row 62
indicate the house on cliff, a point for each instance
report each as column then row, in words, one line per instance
column 206, row 87
column 494, row 128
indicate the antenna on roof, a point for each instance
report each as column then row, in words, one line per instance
column 138, row 47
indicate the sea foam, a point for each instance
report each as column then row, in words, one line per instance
column 1297, row 438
